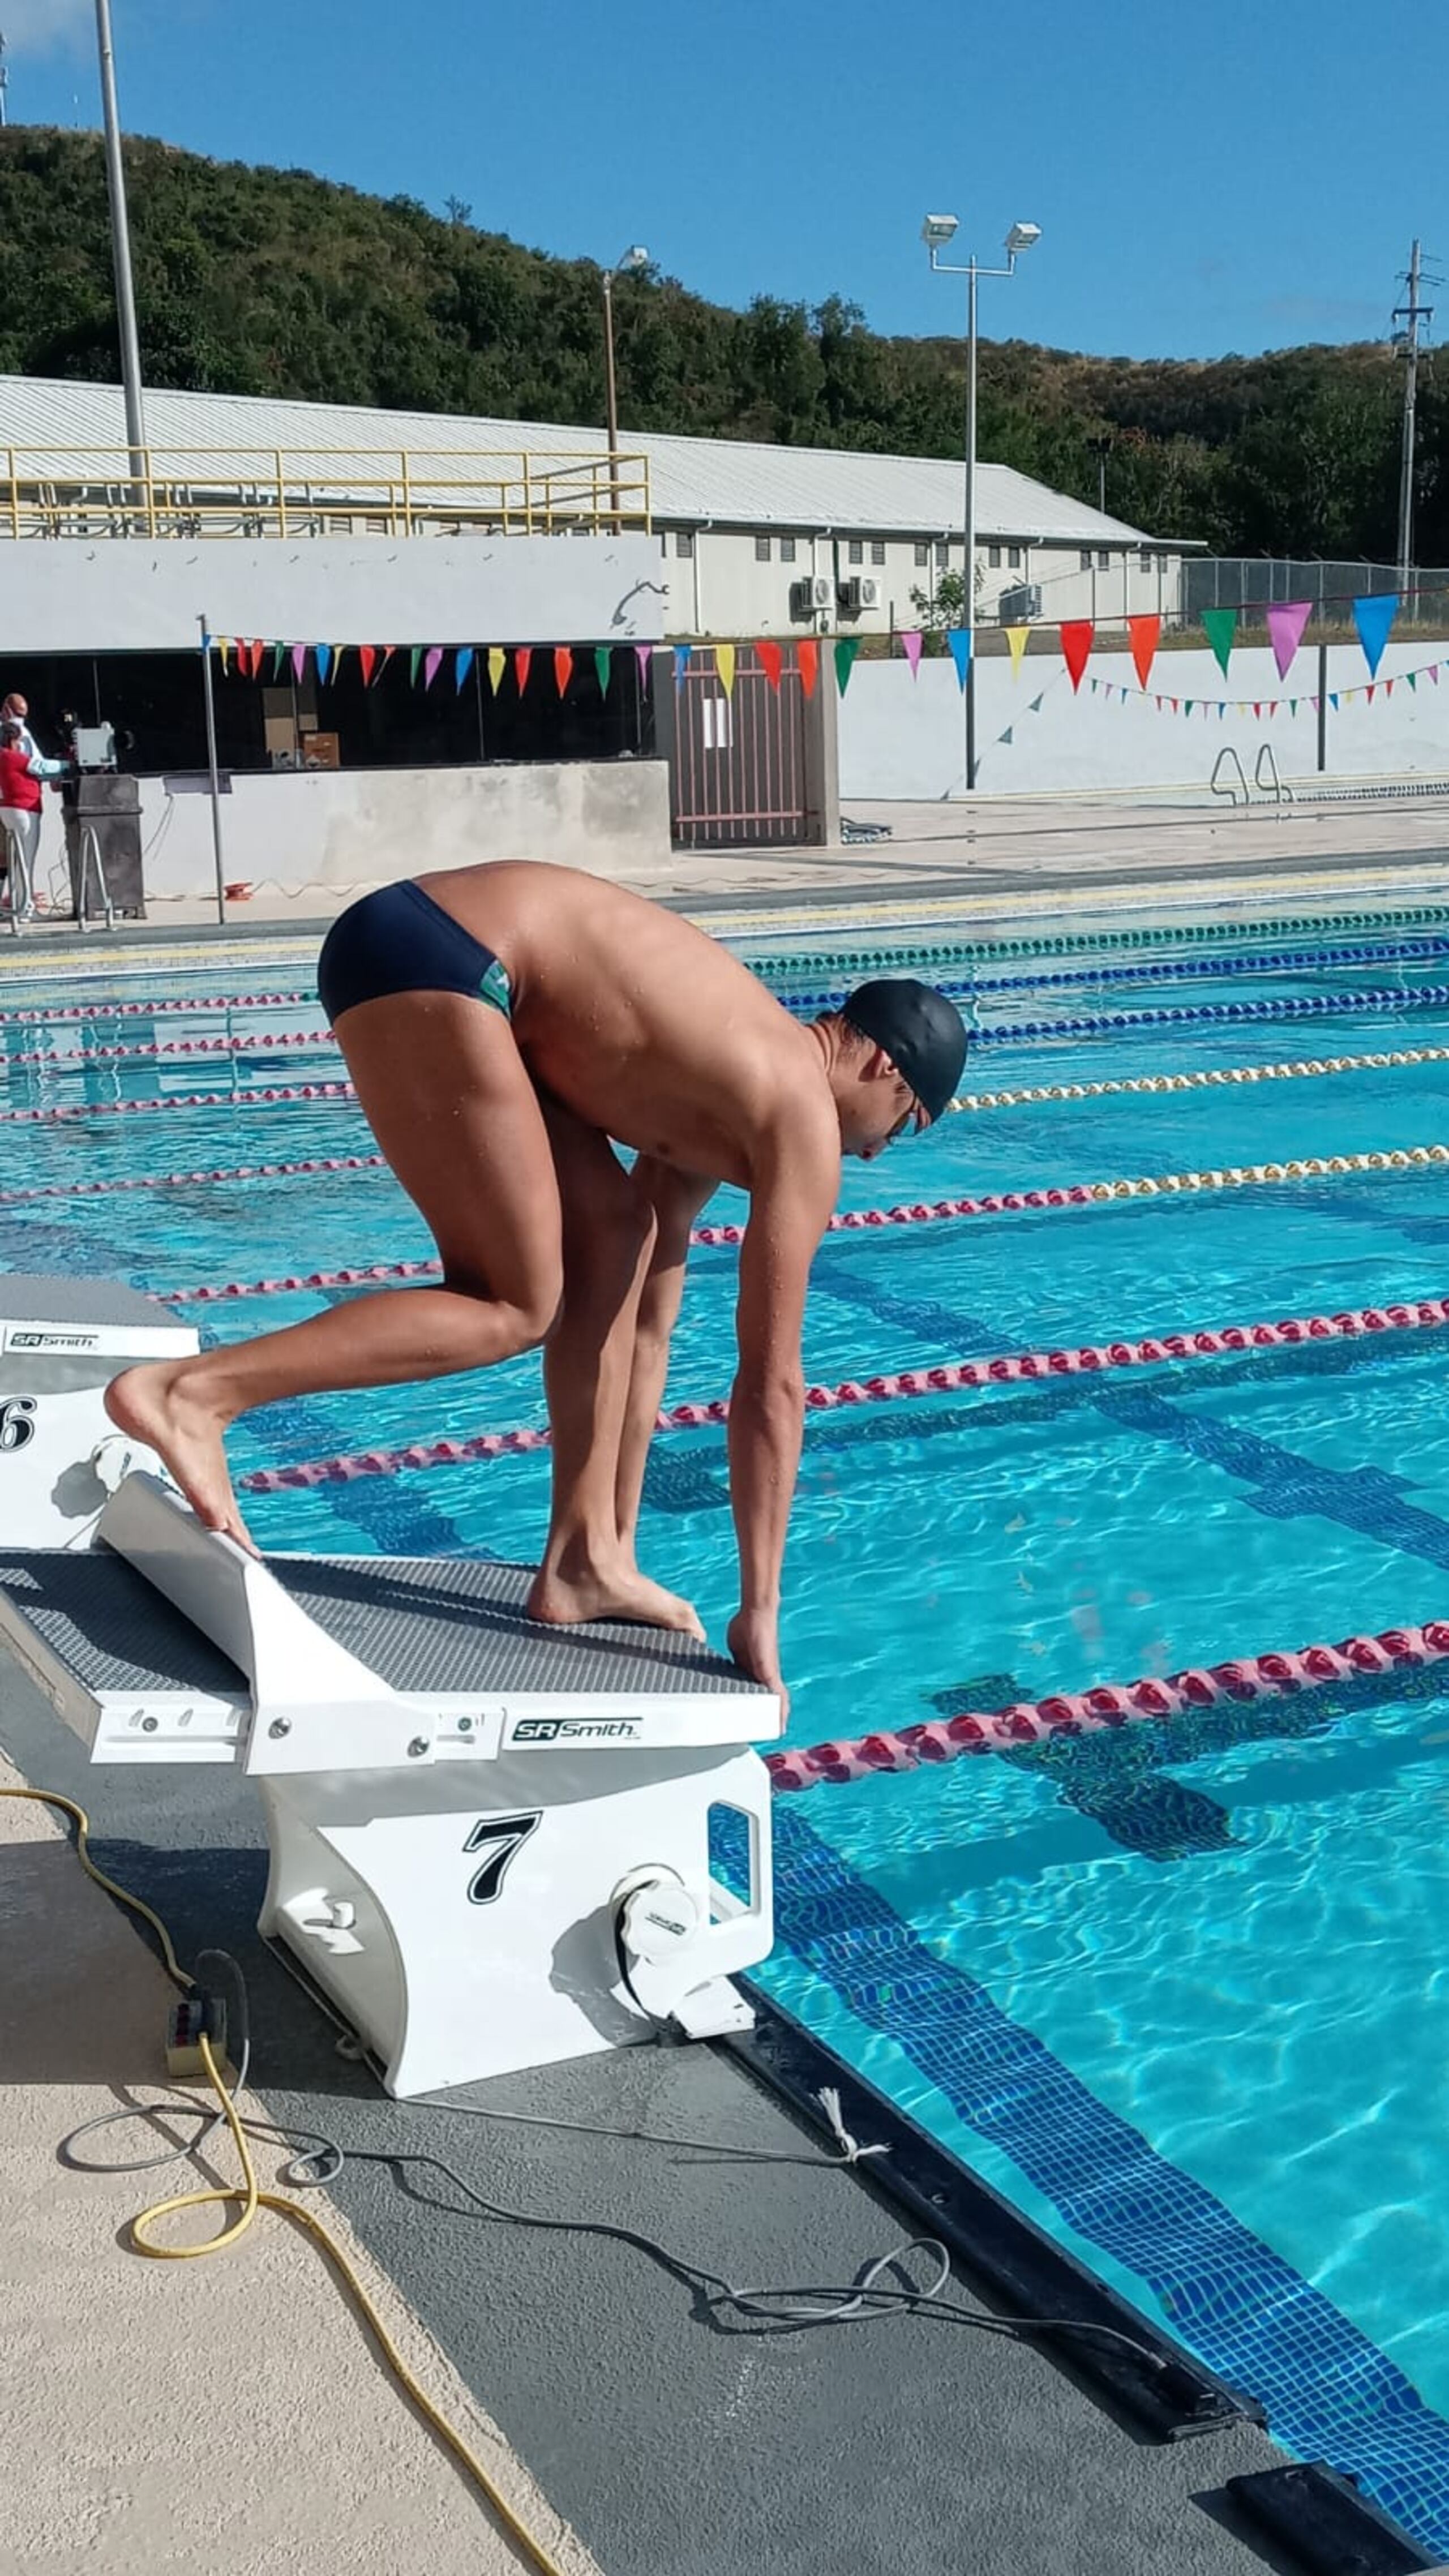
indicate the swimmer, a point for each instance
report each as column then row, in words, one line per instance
column 505, row 1027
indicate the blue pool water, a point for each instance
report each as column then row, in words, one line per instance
column 1182, row 1992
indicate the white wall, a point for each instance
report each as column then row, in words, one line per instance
column 904, row 738
column 356, row 827
column 127, row 594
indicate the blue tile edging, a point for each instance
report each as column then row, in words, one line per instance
column 1331, row 2528
column 1108, row 2341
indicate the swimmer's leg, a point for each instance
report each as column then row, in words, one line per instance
column 588, row 1361
column 445, row 1092
column 676, row 1199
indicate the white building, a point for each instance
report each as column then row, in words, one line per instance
column 752, row 540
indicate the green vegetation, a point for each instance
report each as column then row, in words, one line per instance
column 274, row 282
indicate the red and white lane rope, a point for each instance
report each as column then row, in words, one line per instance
column 1403, row 1158
column 169, row 1049
column 38, row 1016
column 259, row 1096
column 1005, row 1369
column 194, row 1180
column 1271, row 1676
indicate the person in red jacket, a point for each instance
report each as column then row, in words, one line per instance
column 21, row 775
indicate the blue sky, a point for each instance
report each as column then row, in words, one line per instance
column 1206, row 179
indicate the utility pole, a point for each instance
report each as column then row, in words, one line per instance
column 1407, row 342
column 4, row 86
column 121, row 254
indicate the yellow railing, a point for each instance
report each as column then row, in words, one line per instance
column 292, row 492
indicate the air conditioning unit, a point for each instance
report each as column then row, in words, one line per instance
column 812, row 592
column 862, row 590
column 1020, row 605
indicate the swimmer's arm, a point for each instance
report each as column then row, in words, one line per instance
column 676, row 1199
column 792, row 1195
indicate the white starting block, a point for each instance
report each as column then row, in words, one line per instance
column 490, row 1840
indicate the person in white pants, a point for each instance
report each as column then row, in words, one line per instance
column 21, row 775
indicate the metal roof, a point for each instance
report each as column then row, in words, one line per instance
column 694, row 481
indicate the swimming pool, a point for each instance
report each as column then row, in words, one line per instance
column 1177, row 1988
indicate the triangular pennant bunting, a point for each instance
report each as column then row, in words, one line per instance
column 681, row 663
column 1286, row 621
column 1144, row 634
column 497, row 665
column 432, row 665
column 462, row 664
column 1077, row 633
column 1220, row 625
column 911, row 642
column 563, row 664
column 366, row 655
column 959, row 639
column 1016, row 645
column 603, row 664
column 1373, row 617
column 324, row 662
column 724, row 663
column 415, row 657
column 771, row 660
column 846, row 650
column 644, row 656
column 522, row 660
column 807, row 663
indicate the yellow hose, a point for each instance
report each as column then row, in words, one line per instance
column 252, row 2199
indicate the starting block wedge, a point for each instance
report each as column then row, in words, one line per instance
column 490, row 1841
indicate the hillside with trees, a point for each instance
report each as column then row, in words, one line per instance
column 275, row 282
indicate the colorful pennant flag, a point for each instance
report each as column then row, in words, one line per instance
column 299, row 660
column 846, row 649
column 771, row 660
column 323, row 653
column 366, row 654
column 724, row 663
column 603, row 664
column 414, row 662
column 1220, row 625
column 1144, row 634
column 1286, row 621
column 959, row 639
column 911, row 642
column 1077, row 633
column 681, row 663
column 807, row 663
column 563, row 664
column 1373, row 617
column 462, row 664
column 1016, row 640
column 432, row 665
column 522, row 659
column 497, row 664
column 388, row 651
column 644, row 656
column 277, row 652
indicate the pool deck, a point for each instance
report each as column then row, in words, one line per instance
column 666, row 2443
column 177, row 2417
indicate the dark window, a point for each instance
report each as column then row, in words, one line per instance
column 1086, row 558
column 684, row 542
column 877, row 551
column 1013, row 557
column 1145, row 560
column 1104, row 560
column 941, row 555
column 787, row 550
column 923, row 556
column 762, row 549
column 993, row 557
column 855, row 551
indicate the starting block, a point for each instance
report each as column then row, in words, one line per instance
column 490, row 1840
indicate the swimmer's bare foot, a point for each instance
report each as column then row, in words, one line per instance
column 153, row 1404
column 616, row 1591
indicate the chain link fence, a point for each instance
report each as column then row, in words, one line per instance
column 1254, row 583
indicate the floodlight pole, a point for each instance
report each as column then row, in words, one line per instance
column 121, row 248
column 971, row 271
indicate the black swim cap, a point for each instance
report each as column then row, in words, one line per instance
column 923, row 1034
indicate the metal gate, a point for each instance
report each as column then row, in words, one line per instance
column 738, row 775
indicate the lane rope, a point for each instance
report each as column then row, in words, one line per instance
column 1214, row 1078
column 1004, row 1369
column 32, row 1016
column 1144, row 1082
column 256, row 1098
column 1272, row 1676
column 1077, row 1194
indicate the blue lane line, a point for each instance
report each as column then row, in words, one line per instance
column 1327, row 2388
